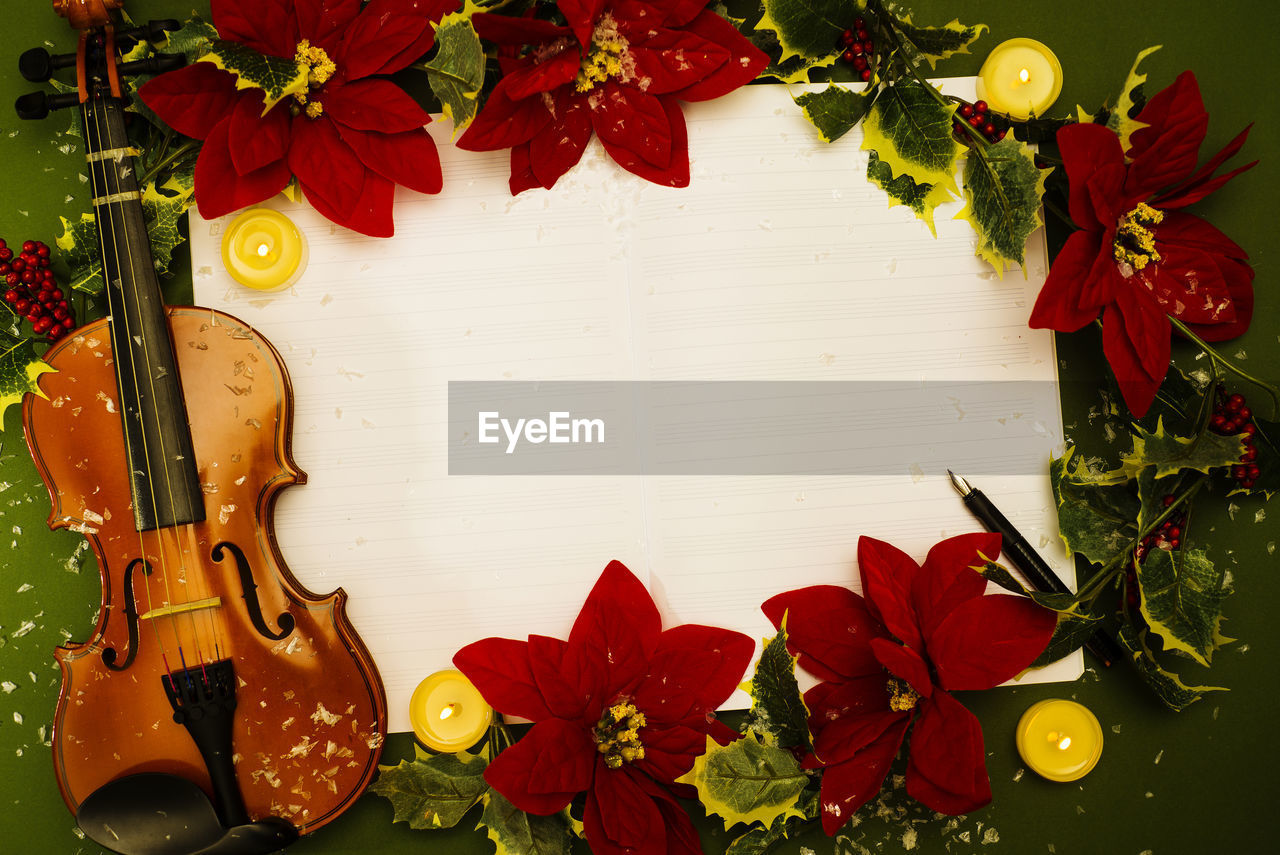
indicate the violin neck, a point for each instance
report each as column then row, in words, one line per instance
column 162, row 464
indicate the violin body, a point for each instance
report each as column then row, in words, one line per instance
column 310, row 711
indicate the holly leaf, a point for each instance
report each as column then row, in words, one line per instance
column 910, row 129
column 758, row 841
column 1002, row 192
column 163, row 211
column 1176, row 694
column 901, row 190
column 936, row 43
column 193, row 40
column 456, row 73
column 1182, row 594
column 277, row 78
column 1072, row 631
column 835, row 110
column 80, row 252
column 1097, row 510
column 778, row 712
column 432, row 790
column 515, row 832
column 808, row 28
column 20, row 369
column 746, row 781
column 1170, row 454
column 1119, row 120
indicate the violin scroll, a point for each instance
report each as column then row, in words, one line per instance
column 87, row 14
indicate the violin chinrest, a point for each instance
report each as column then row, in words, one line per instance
column 158, row 814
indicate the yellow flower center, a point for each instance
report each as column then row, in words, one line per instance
column 1135, row 243
column 319, row 68
column 607, row 57
column 902, row 697
column 617, row 734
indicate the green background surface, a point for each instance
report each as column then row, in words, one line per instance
column 1168, row 784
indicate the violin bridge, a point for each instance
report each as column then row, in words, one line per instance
column 181, row 608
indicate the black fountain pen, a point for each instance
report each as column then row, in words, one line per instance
column 1026, row 559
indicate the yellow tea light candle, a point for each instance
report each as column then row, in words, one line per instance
column 1059, row 739
column 1021, row 77
column 448, row 713
column 262, row 249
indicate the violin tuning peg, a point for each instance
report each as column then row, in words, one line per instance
column 36, row 105
column 152, row 31
column 157, row 64
column 37, row 64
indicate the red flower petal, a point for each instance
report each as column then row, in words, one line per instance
column 193, row 99
column 558, row 147
column 947, row 767
column 613, row 637
column 676, row 173
column 693, row 670
column 675, row 59
column 555, row 683
column 220, row 189
column 843, row 739
column 744, row 63
column 988, row 640
column 374, row 105
column 1200, row 184
column 669, row 751
column 1061, row 305
column 522, row 177
column 502, row 670
column 1188, row 285
column 888, row 575
column 325, row 164
column 1146, row 326
column 1239, row 279
column 1136, row 386
column 322, row 22
column 1164, row 152
column 621, row 816
column 1086, row 148
column 947, row 578
column 581, row 16
column 1104, row 192
column 830, row 628
column 371, row 214
column 504, row 123
column 409, row 159
column 533, row 78
column 681, row 836
column 257, row 140
column 678, row 12
column 267, row 26
column 505, row 30
column 1189, row 230
column 388, row 35
column 904, row 663
column 631, row 121
column 849, row 785
column 546, row 768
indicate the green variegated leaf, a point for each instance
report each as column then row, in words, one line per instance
column 835, row 110
column 937, row 43
column 910, row 129
column 515, row 832
column 20, row 369
column 433, row 790
column 193, row 40
column 808, row 28
column 901, row 190
column 1182, row 594
column 1120, row 121
column 276, row 77
column 758, row 841
column 1072, row 631
column 1097, row 510
column 456, row 73
column 163, row 211
column 746, row 781
column 778, row 712
column 1171, row 454
column 1002, row 192
column 82, row 253
column 1176, row 694
column 797, row 68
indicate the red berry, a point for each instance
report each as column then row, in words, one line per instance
column 848, row 56
column 1235, row 402
column 68, row 323
column 980, row 106
column 42, row 251
column 1247, row 483
column 1217, row 421
column 1175, row 532
column 1250, row 429
column 859, row 23
column 1253, row 471
column 18, row 265
column 989, row 129
column 1245, row 413
column 847, row 38
column 41, row 326
column 966, row 110
column 1001, row 135
column 55, row 333
column 22, row 305
column 868, row 47
column 1175, row 543
column 865, row 75
column 1230, row 426
column 957, row 127
column 860, row 62
column 976, row 121
column 863, row 35
column 56, row 293
column 1239, row 472
column 61, row 313
column 28, row 246
column 6, row 254
column 1249, row 455
column 11, row 296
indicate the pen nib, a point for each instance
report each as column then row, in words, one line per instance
column 961, row 485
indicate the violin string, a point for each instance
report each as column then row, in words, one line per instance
column 111, row 177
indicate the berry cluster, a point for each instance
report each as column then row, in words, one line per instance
column 32, row 291
column 1232, row 416
column 1167, row 536
column 979, row 117
column 857, row 49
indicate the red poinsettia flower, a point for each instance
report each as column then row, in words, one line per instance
column 617, row 70
column 893, row 656
column 1140, row 260
column 349, row 139
column 622, row 709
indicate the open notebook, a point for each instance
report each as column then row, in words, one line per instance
column 780, row 262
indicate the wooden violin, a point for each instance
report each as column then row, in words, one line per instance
column 165, row 439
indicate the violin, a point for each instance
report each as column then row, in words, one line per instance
column 218, row 706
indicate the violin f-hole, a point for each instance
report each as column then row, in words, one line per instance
column 110, row 655
column 250, row 588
